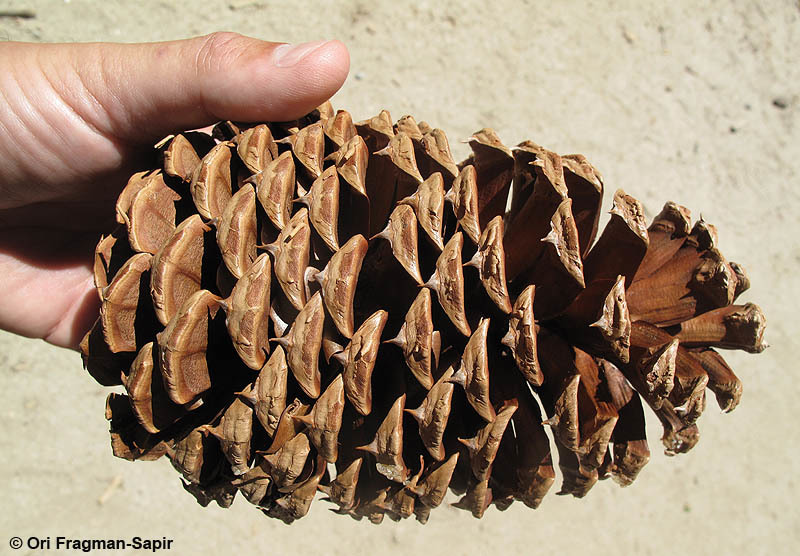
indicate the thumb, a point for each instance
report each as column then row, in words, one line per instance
column 141, row 92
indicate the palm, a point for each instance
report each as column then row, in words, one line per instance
column 45, row 252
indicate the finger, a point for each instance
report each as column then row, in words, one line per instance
column 140, row 92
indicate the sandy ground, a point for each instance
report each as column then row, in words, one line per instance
column 693, row 101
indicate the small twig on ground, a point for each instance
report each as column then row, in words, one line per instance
column 110, row 489
column 21, row 14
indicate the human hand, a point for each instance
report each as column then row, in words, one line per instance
column 74, row 120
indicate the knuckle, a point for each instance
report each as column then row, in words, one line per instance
column 217, row 50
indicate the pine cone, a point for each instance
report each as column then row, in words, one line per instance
column 284, row 296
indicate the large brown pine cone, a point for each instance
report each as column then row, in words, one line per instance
column 285, row 296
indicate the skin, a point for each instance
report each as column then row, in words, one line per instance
column 76, row 121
